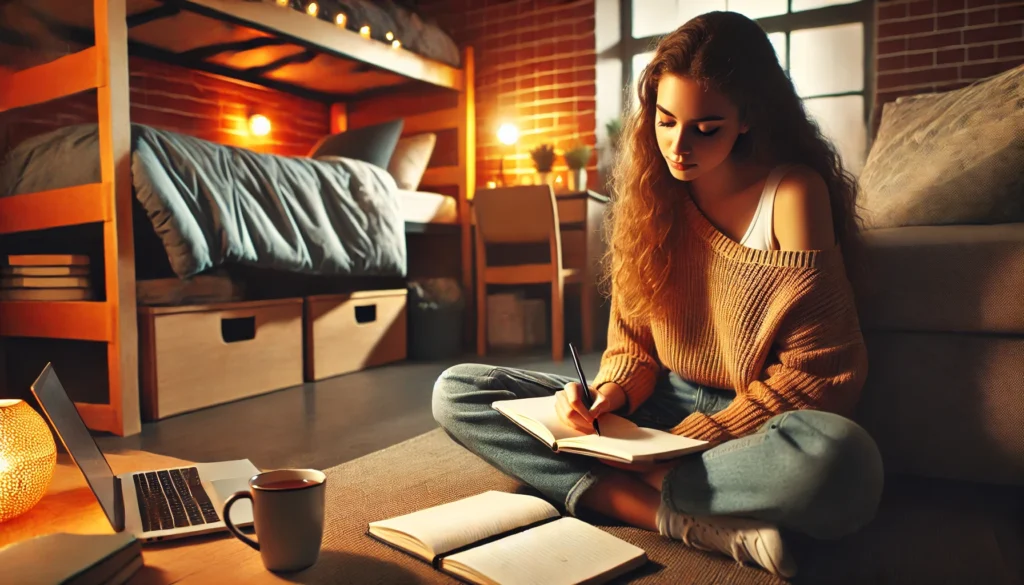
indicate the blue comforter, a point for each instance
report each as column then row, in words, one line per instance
column 213, row 205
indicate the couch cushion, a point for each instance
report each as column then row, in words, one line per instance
column 945, row 278
column 948, row 158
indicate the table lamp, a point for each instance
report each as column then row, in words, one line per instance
column 508, row 135
column 28, row 456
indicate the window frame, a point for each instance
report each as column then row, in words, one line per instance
column 861, row 11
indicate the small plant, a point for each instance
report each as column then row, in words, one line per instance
column 614, row 129
column 578, row 156
column 543, row 157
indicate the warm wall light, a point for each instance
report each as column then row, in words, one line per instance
column 28, row 456
column 259, row 125
column 312, row 9
column 341, row 20
column 508, row 134
column 365, row 31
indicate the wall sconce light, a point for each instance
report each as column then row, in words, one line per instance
column 508, row 135
column 259, row 125
column 28, row 457
column 364, row 31
column 341, row 19
column 312, row 9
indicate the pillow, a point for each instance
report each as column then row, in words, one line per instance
column 948, row 158
column 410, row 159
column 373, row 144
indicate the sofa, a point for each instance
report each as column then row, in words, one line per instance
column 942, row 199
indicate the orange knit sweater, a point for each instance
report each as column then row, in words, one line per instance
column 779, row 328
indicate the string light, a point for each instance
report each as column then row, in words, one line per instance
column 341, row 19
column 283, row 2
column 396, row 44
column 390, row 36
column 364, row 31
column 312, row 9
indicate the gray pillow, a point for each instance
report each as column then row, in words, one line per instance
column 949, row 158
column 373, row 144
column 410, row 160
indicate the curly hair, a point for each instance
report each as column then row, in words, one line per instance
column 731, row 54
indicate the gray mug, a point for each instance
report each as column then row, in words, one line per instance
column 288, row 514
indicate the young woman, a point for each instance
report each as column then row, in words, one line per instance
column 733, row 318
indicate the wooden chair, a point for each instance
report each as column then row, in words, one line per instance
column 523, row 215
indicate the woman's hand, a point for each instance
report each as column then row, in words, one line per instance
column 571, row 410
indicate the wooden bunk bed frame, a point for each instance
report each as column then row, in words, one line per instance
column 366, row 82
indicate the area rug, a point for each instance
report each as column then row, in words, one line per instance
column 919, row 536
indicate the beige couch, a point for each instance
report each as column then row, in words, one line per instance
column 944, row 325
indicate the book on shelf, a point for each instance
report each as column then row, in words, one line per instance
column 72, row 559
column 620, row 439
column 44, row 282
column 46, row 294
column 44, row 270
column 500, row 538
column 47, row 260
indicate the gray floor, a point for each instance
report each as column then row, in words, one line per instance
column 320, row 424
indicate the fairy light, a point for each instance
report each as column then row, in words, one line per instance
column 283, row 2
column 312, row 9
column 396, row 44
column 364, row 31
column 341, row 19
column 390, row 36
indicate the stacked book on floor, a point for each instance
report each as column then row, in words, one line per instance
column 72, row 559
column 46, row 277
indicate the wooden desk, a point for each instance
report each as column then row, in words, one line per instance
column 70, row 506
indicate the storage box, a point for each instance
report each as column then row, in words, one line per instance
column 195, row 356
column 351, row 332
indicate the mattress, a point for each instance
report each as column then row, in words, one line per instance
column 425, row 207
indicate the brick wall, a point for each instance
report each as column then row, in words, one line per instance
column 938, row 45
column 535, row 67
column 193, row 103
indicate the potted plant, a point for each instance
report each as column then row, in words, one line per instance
column 543, row 158
column 577, row 158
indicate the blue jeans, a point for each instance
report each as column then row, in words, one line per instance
column 809, row 471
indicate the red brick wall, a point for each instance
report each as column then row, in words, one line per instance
column 193, row 103
column 937, row 45
column 535, row 67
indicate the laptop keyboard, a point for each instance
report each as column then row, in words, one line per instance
column 172, row 498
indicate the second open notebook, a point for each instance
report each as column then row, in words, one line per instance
column 498, row 538
column 620, row 439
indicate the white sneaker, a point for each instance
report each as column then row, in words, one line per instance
column 743, row 539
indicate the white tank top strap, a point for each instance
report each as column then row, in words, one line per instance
column 759, row 234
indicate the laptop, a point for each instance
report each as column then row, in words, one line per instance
column 153, row 505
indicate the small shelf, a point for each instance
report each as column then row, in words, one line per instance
column 83, row 320
column 57, row 208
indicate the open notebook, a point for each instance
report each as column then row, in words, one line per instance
column 620, row 439
column 509, row 539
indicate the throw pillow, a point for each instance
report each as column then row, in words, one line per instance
column 410, row 159
column 948, row 158
column 373, row 144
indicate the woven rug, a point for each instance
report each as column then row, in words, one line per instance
column 915, row 539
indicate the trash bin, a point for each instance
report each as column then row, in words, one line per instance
column 435, row 310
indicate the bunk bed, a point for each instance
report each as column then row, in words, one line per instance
column 365, row 81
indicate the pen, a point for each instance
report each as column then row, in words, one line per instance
column 588, row 400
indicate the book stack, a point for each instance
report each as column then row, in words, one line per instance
column 72, row 559
column 46, row 277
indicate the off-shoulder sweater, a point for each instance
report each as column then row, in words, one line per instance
column 779, row 327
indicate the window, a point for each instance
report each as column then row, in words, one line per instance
column 821, row 44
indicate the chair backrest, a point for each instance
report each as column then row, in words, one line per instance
column 516, row 215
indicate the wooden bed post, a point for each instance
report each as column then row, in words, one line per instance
column 118, row 245
column 467, row 182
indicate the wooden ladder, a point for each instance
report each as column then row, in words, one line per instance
column 113, row 321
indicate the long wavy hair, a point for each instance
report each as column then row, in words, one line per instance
column 731, row 54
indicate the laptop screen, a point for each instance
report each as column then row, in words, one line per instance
column 76, row 438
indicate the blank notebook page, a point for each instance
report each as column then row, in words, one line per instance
column 450, row 526
column 561, row 552
column 619, row 434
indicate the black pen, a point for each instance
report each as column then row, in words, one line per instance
column 588, row 400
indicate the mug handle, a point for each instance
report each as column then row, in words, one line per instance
column 227, row 518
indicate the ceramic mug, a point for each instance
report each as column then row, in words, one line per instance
column 288, row 514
